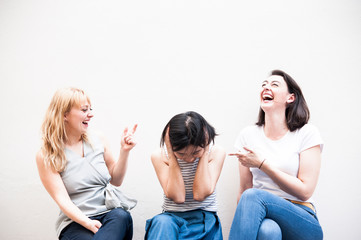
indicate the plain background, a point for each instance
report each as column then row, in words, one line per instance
column 144, row 61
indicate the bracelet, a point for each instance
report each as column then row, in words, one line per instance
column 261, row 164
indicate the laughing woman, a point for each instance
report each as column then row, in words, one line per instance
column 279, row 164
column 188, row 166
column 78, row 171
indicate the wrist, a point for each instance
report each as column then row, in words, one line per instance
column 85, row 222
column 261, row 164
column 124, row 150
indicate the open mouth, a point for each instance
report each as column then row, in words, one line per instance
column 267, row 97
column 85, row 123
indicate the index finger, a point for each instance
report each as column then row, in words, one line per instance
column 135, row 128
column 233, row 154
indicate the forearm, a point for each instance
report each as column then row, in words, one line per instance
column 290, row 184
column 202, row 185
column 72, row 211
column 246, row 182
column 175, row 188
column 120, row 168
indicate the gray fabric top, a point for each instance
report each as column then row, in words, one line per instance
column 87, row 181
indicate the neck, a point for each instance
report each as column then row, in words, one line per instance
column 275, row 126
column 73, row 139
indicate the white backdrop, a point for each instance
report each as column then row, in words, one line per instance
column 144, row 61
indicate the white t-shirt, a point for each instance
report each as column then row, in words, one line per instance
column 283, row 153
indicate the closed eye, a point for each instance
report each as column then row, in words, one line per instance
column 195, row 153
column 86, row 109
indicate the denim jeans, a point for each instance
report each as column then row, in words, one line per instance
column 116, row 225
column 263, row 215
column 192, row 225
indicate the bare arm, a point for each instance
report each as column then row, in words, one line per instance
column 246, row 178
column 54, row 185
column 304, row 185
column 208, row 172
column 117, row 169
column 301, row 186
column 169, row 175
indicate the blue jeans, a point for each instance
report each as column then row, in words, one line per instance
column 116, row 225
column 263, row 215
column 192, row 225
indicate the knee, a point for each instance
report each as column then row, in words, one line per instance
column 162, row 220
column 162, row 226
column 120, row 215
column 251, row 195
column 269, row 230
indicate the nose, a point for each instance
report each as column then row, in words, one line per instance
column 90, row 114
column 266, row 86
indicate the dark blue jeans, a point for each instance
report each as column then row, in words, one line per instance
column 116, row 225
column 263, row 215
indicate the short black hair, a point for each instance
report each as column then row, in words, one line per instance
column 297, row 112
column 188, row 128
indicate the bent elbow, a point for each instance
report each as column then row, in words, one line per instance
column 116, row 183
column 201, row 196
column 179, row 200
column 305, row 195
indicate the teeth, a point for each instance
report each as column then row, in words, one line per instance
column 267, row 97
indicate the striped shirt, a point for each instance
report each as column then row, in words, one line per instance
column 188, row 170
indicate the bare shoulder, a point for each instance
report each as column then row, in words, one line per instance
column 217, row 153
column 42, row 165
column 159, row 156
column 218, row 149
column 39, row 157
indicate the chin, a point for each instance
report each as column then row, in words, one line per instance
column 266, row 105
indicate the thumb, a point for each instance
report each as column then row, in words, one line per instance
column 98, row 224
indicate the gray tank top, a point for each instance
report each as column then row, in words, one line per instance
column 188, row 171
column 87, row 181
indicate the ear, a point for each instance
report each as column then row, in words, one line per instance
column 65, row 116
column 291, row 98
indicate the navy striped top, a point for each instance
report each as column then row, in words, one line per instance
column 188, row 170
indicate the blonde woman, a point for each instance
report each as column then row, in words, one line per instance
column 78, row 171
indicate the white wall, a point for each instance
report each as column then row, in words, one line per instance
column 145, row 61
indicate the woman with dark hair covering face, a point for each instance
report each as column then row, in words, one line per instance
column 279, row 164
column 188, row 166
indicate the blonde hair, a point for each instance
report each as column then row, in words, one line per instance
column 53, row 128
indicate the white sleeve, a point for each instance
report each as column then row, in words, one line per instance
column 310, row 137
